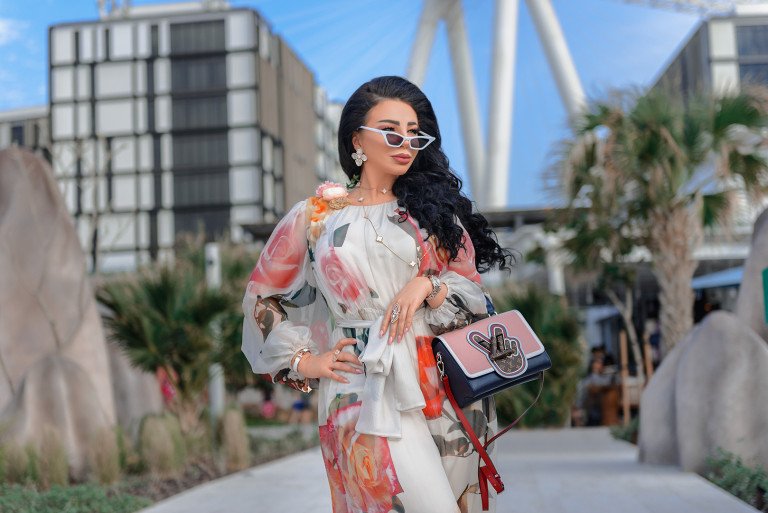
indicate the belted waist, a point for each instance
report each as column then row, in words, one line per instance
column 367, row 323
column 391, row 382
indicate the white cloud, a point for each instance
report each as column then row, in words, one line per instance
column 10, row 30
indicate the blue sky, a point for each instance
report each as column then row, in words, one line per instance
column 346, row 42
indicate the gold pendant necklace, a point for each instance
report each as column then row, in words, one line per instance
column 380, row 240
column 383, row 190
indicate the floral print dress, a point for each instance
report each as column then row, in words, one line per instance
column 319, row 278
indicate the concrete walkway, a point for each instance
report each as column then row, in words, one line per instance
column 545, row 471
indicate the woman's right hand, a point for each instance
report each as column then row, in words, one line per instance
column 323, row 365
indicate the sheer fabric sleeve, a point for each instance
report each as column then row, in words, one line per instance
column 467, row 300
column 283, row 308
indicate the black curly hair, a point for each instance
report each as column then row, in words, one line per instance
column 430, row 191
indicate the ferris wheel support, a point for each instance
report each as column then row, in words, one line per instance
column 501, row 106
column 488, row 167
column 558, row 55
column 450, row 11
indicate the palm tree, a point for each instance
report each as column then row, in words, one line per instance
column 161, row 318
column 667, row 169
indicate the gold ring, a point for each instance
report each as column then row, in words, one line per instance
column 336, row 354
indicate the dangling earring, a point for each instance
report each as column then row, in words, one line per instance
column 359, row 157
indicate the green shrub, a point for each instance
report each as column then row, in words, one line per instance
column 128, row 456
column 104, row 456
column 2, row 464
column 33, row 463
column 627, row 433
column 234, row 440
column 74, row 499
column 558, row 328
column 161, row 445
column 730, row 473
column 15, row 462
column 53, row 468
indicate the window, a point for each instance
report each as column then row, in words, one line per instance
column 195, row 189
column 17, row 134
column 200, row 150
column 754, row 73
column 198, row 37
column 199, row 75
column 154, row 41
column 215, row 221
column 200, row 112
column 752, row 40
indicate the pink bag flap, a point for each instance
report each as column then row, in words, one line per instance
column 475, row 345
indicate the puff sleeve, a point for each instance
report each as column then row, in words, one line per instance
column 283, row 308
column 466, row 300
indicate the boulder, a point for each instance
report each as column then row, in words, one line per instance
column 750, row 305
column 55, row 365
column 57, row 392
column 710, row 391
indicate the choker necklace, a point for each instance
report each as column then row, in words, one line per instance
column 380, row 240
column 383, row 190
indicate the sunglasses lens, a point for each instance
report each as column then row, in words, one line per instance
column 418, row 143
column 394, row 139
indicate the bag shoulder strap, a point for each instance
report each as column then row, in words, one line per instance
column 488, row 472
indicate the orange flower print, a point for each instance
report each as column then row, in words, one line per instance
column 317, row 211
column 429, row 379
column 361, row 473
column 371, row 464
column 345, row 285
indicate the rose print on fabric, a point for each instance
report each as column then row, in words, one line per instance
column 361, row 473
column 281, row 260
column 344, row 284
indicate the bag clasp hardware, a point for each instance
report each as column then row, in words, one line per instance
column 440, row 364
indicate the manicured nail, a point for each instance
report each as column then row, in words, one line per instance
column 358, row 371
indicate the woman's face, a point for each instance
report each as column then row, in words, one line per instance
column 390, row 116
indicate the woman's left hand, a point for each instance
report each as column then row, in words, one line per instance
column 410, row 299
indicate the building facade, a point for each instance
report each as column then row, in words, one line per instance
column 166, row 118
column 27, row 127
column 722, row 53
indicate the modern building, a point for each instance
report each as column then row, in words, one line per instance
column 724, row 52
column 167, row 116
column 27, row 127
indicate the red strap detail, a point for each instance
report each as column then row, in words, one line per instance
column 488, row 472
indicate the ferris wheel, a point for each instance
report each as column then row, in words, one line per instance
column 488, row 161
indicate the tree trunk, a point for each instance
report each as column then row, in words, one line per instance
column 674, row 235
column 625, row 309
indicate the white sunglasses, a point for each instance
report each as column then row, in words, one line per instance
column 395, row 140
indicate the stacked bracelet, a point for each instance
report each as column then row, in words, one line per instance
column 297, row 358
column 435, row 287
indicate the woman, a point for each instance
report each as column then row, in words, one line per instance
column 348, row 293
